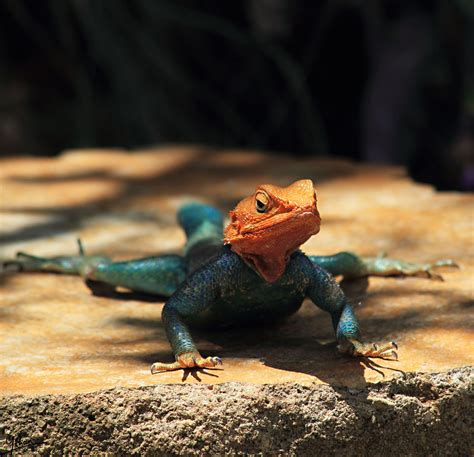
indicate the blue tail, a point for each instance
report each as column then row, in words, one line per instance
column 203, row 225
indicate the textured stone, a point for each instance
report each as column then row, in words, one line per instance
column 412, row 415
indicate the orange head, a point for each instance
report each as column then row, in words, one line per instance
column 267, row 227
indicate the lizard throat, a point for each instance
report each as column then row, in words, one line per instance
column 269, row 268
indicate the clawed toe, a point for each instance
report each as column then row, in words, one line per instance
column 429, row 269
column 216, row 360
column 430, row 274
column 440, row 264
column 7, row 264
column 22, row 262
column 387, row 351
column 159, row 367
column 187, row 360
column 446, row 263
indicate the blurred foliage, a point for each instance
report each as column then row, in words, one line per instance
column 369, row 79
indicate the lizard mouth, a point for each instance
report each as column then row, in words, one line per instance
column 281, row 219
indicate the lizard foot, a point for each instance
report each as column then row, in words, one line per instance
column 427, row 270
column 24, row 262
column 356, row 348
column 187, row 360
column 73, row 264
column 392, row 267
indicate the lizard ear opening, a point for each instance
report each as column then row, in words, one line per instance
column 262, row 202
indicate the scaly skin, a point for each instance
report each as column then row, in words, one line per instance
column 258, row 275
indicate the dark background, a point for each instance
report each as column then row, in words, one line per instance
column 375, row 80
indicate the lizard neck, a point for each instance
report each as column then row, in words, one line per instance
column 270, row 268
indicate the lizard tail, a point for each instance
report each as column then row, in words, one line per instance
column 204, row 226
column 193, row 217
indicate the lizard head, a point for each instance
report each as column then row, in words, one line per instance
column 267, row 227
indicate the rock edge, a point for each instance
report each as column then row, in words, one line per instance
column 415, row 414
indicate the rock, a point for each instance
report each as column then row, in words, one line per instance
column 58, row 338
column 390, row 419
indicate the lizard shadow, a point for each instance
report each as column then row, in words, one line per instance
column 100, row 289
column 195, row 372
column 280, row 346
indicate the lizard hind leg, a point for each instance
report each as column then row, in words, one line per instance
column 74, row 264
column 383, row 266
column 351, row 265
column 159, row 275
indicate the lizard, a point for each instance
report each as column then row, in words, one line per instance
column 251, row 271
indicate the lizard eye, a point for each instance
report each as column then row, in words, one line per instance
column 261, row 202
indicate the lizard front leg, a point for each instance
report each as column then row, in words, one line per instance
column 186, row 353
column 326, row 293
column 349, row 340
column 194, row 296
